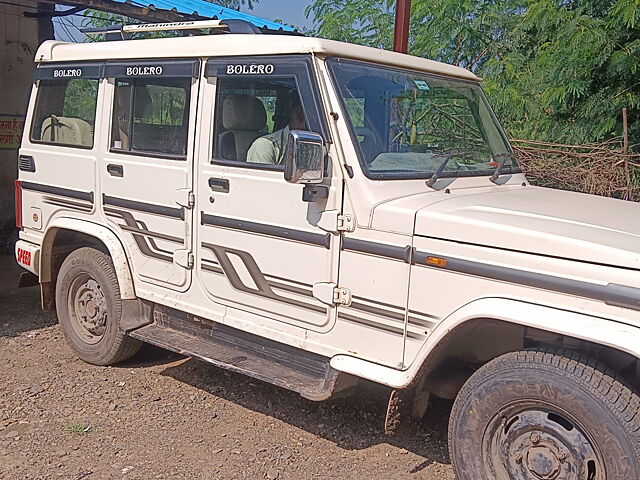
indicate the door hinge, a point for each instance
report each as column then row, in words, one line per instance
column 341, row 296
column 345, row 223
column 329, row 294
column 184, row 258
column 333, row 221
column 185, row 198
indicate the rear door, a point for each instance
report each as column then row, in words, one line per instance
column 59, row 152
column 261, row 250
column 145, row 170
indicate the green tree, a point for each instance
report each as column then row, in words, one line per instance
column 556, row 70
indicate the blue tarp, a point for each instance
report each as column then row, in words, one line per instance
column 206, row 9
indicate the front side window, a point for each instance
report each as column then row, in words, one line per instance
column 151, row 116
column 65, row 112
column 253, row 119
column 409, row 124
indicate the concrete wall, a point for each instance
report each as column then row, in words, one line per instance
column 18, row 44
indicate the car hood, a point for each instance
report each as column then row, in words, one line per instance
column 528, row 219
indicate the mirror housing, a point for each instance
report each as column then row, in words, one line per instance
column 304, row 157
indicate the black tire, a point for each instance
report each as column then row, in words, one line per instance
column 545, row 414
column 89, row 308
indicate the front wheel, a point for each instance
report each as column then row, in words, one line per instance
column 537, row 415
column 89, row 308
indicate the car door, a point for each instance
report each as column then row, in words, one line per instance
column 60, row 149
column 146, row 167
column 260, row 249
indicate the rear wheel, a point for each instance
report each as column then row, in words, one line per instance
column 89, row 308
column 536, row 415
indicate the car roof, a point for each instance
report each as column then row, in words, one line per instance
column 224, row 45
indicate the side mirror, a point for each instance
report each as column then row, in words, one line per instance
column 304, row 157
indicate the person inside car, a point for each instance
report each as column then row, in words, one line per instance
column 269, row 149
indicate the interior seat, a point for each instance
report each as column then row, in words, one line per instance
column 67, row 131
column 244, row 119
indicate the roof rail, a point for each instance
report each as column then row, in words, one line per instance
column 124, row 32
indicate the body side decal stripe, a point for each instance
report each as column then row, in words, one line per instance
column 140, row 239
column 379, row 249
column 262, row 286
column 322, row 240
column 379, row 326
column 143, row 207
column 58, row 202
column 63, row 192
column 611, row 294
column 150, row 233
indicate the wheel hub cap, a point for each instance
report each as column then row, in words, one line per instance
column 91, row 307
column 543, row 463
column 540, row 445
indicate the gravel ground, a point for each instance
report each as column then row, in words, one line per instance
column 163, row 416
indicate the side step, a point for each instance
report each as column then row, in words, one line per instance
column 304, row 372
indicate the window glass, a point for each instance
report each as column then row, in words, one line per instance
column 151, row 116
column 410, row 124
column 65, row 112
column 253, row 119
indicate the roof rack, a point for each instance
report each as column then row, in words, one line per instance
column 124, row 32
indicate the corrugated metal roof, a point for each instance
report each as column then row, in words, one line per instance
column 206, row 9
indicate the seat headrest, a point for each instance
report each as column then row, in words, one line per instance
column 243, row 112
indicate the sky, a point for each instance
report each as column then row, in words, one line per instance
column 290, row 12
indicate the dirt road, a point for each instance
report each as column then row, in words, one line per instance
column 162, row 416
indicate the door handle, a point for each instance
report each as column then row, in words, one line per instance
column 115, row 170
column 219, row 185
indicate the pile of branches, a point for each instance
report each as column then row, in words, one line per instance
column 599, row 169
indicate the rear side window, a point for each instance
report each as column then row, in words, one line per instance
column 65, row 112
column 151, row 116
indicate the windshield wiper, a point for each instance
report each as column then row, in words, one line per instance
column 503, row 157
column 438, row 173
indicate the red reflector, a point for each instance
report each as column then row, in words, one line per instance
column 18, row 186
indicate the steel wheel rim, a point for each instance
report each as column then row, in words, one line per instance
column 87, row 308
column 539, row 441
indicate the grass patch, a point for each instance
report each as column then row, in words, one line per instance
column 78, row 428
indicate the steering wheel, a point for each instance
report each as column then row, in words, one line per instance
column 368, row 134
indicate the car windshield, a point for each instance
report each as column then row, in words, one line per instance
column 408, row 124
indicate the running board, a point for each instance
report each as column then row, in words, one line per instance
column 304, row 372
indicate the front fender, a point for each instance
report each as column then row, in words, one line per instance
column 100, row 233
column 610, row 333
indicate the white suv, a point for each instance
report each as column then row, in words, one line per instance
column 310, row 212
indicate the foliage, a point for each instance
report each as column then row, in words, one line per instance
column 80, row 99
column 595, row 169
column 357, row 21
column 555, row 70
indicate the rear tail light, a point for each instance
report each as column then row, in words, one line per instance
column 18, row 186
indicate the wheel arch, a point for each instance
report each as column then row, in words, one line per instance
column 507, row 325
column 67, row 234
